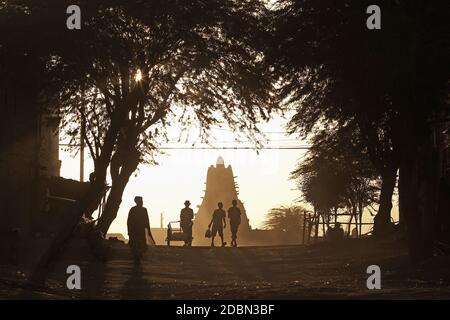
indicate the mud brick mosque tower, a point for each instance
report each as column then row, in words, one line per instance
column 220, row 187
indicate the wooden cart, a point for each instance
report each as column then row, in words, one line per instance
column 175, row 233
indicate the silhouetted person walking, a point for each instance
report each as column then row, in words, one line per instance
column 218, row 224
column 186, row 216
column 234, row 214
column 138, row 224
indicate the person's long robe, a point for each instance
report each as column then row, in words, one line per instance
column 137, row 223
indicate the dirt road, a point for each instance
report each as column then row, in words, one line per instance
column 322, row 271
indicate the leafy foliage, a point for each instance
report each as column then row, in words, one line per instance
column 201, row 65
column 336, row 173
column 285, row 218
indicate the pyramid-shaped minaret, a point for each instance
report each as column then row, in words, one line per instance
column 220, row 187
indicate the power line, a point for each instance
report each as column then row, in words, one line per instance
column 248, row 141
column 236, row 148
column 212, row 147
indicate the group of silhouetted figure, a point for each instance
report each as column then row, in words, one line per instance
column 218, row 223
column 139, row 226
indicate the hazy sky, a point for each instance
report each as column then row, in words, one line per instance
column 181, row 174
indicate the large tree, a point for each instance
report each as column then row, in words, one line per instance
column 336, row 176
column 334, row 69
column 196, row 60
column 330, row 74
column 200, row 61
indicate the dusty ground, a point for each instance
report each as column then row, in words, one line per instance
column 322, row 271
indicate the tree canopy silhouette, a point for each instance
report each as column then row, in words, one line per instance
column 286, row 218
column 336, row 176
column 200, row 64
column 334, row 70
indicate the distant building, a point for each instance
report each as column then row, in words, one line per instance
column 220, row 187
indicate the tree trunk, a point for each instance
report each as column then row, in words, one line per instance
column 419, row 198
column 360, row 215
column 349, row 229
column 323, row 226
column 113, row 203
column 304, row 228
column 335, row 215
column 121, row 170
column 310, row 224
column 355, row 214
column 382, row 221
column 410, row 212
column 316, row 223
column 401, row 210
